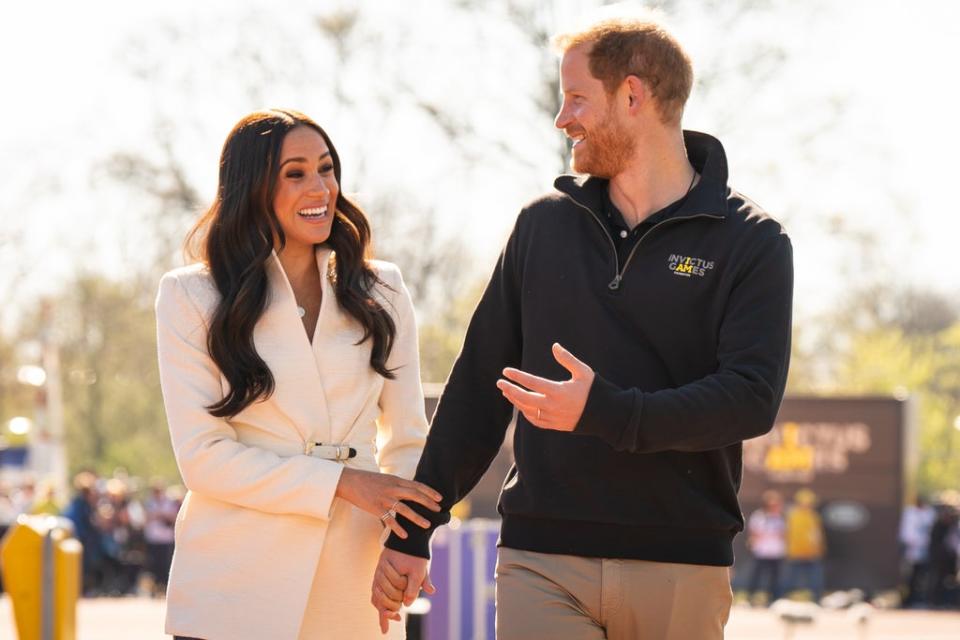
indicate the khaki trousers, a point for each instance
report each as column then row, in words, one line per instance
column 561, row 597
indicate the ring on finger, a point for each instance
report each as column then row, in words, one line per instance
column 538, row 413
column 391, row 512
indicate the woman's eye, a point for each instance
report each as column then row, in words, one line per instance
column 327, row 168
column 295, row 174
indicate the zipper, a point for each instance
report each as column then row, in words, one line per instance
column 614, row 285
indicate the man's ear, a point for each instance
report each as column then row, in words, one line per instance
column 637, row 92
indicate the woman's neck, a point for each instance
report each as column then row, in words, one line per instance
column 300, row 265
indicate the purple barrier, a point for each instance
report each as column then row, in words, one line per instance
column 462, row 569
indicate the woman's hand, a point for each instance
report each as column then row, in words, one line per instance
column 381, row 494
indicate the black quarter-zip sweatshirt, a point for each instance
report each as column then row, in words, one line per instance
column 689, row 339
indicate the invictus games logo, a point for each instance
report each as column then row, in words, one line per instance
column 687, row 266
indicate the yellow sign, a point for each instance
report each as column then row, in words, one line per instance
column 798, row 451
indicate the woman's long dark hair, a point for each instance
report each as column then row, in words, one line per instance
column 235, row 237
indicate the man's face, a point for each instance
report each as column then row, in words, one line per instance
column 602, row 145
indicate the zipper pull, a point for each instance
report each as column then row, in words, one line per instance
column 615, row 283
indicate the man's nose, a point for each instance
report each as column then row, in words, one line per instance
column 563, row 118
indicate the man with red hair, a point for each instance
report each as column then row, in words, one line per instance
column 674, row 292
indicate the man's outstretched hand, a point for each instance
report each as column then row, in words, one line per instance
column 397, row 581
column 550, row 404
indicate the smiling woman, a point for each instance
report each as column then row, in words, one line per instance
column 277, row 169
column 290, row 375
column 305, row 188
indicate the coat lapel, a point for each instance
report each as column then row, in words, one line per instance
column 343, row 362
column 282, row 342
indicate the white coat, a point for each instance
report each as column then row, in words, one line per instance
column 263, row 549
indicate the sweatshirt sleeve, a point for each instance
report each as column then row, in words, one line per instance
column 472, row 416
column 402, row 426
column 737, row 402
column 211, row 460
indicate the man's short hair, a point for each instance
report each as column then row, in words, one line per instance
column 621, row 47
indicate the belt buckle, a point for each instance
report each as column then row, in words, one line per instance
column 310, row 446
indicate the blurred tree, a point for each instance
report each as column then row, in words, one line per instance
column 16, row 399
column 361, row 75
column 166, row 182
column 890, row 361
column 442, row 336
column 893, row 341
column 112, row 411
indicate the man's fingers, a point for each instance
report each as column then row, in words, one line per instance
column 382, row 601
column 541, row 422
column 390, row 588
column 392, row 574
column 520, row 398
column 530, row 381
column 428, row 585
column 412, row 591
column 568, row 361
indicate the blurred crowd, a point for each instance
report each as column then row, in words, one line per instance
column 126, row 527
column 788, row 546
column 930, row 539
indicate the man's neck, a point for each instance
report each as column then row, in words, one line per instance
column 658, row 175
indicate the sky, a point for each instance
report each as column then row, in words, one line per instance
column 851, row 134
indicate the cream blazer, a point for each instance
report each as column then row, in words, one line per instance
column 252, row 527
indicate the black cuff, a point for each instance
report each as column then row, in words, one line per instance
column 608, row 412
column 417, row 542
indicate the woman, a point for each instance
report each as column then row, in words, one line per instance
column 289, row 368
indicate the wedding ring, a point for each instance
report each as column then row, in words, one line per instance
column 538, row 413
column 391, row 512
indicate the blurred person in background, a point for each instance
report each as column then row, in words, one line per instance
column 82, row 512
column 8, row 515
column 46, row 501
column 161, row 513
column 806, row 545
column 943, row 553
column 767, row 541
column 916, row 524
column 638, row 319
column 291, row 380
column 8, row 511
column 120, row 520
column 24, row 496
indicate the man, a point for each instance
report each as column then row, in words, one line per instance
column 671, row 295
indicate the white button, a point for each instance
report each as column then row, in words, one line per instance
column 623, row 233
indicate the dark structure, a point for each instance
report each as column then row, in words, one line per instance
column 854, row 454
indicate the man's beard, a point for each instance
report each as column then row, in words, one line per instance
column 609, row 148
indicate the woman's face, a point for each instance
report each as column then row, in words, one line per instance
column 306, row 192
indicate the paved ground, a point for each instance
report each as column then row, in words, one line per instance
column 140, row 619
